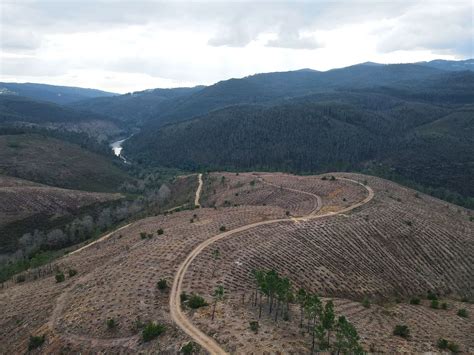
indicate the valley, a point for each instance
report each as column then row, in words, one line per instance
column 289, row 212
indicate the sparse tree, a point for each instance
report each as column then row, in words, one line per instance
column 218, row 296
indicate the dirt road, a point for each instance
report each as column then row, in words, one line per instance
column 177, row 314
column 198, row 192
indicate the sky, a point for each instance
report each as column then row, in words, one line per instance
column 125, row 46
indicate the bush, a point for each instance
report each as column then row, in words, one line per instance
column 444, row 305
column 332, row 178
column 111, row 323
column 143, row 235
column 442, row 343
column 189, row 348
column 434, row 304
column 415, row 301
column 160, row 231
column 183, row 297
column 324, row 178
column 59, row 277
column 254, row 326
column 222, row 228
column 196, row 301
column 463, row 313
column 366, row 302
column 401, row 331
column 453, row 347
column 431, row 296
column 20, row 278
column 162, row 284
column 72, row 272
column 152, row 330
column 36, row 341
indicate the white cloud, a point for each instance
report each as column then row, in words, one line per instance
column 131, row 45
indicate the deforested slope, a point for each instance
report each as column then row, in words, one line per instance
column 367, row 237
column 57, row 163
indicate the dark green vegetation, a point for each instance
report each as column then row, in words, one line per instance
column 152, row 331
column 410, row 123
column 52, row 93
column 36, row 341
column 401, row 331
column 321, row 318
column 17, row 110
column 138, row 107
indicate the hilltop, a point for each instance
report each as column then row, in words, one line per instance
column 369, row 245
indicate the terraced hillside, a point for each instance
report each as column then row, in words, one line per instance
column 346, row 237
column 22, row 200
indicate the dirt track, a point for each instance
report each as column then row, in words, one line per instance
column 177, row 314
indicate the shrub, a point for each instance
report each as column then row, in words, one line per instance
column 444, row 305
column 442, row 343
column 222, row 228
column 162, row 284
column 72, row 272
column 431, row 296
column 152, row 330
column 287, row 213
column 59, row 277
column 143, row 235
column 409, row 223
column 366, row 302
column 111, row 323
column 401, row 331
column 434, row 304
column 324, row 178
column 183, row 297
column 196, row 301
column 36, row 341
column 332, row 178
column 160, row 231
column 415, row 301
column 188, row 348
column 463, row 313
column 453, row 347
column 254, row 326
column 20, row 278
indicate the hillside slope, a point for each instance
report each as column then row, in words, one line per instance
column 57, row 163
column 51, row 93
column 367, row 237
column 28, row 202
column 19, row 111
column 345, row 130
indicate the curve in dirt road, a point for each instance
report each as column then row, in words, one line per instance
column 177, row 314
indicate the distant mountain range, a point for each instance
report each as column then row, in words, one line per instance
column 411, row 122
column 52, row 93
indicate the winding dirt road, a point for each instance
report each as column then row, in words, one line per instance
column 177, row 314
column 198, row 192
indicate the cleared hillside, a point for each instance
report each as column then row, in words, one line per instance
column 57, row 163
column 343, row 237
column 23, row 202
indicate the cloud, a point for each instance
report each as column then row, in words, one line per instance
column 448, row 27
column 194, row 42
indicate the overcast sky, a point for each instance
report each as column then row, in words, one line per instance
column 124, row 46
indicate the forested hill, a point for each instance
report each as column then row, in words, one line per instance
column 51, row 93
column 154, row 107
column 421, row 131
column 17, row 111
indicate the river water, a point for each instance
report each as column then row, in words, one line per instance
column 117, row 147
